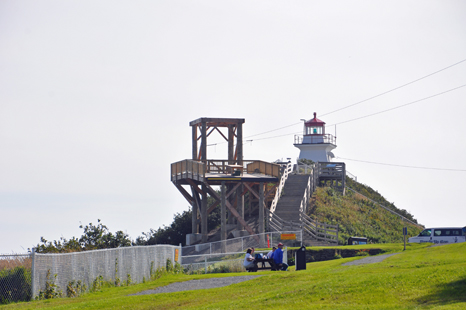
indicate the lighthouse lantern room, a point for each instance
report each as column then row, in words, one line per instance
column 315, row 144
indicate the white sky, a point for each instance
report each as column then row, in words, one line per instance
column 96, row 99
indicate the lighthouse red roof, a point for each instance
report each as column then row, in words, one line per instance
column 315, row 121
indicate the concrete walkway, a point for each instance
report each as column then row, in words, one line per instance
column 369, row 260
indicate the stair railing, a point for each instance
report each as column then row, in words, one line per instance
column 288, row 169
column 319, row 231
column 309, row 188
column 275, row 223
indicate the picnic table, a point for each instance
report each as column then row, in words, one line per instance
column 261, row 264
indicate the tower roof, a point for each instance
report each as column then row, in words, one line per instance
column 315, row 121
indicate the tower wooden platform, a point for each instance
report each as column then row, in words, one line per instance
column 196, row 178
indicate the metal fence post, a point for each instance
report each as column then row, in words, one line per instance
column 242, row 244
column 205, row 263
column 33, row 286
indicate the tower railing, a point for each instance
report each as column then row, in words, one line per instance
column 226, row 166
column 188, row 169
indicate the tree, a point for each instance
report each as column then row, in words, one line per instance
column 94, row 237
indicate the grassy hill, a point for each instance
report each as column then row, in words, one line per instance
column 420, row 278
column 358, row 216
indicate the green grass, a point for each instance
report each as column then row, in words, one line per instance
column 357, row 216
column 419, row 278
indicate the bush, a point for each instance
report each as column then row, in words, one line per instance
column 15, row 285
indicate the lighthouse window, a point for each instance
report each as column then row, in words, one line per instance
column 314, row 131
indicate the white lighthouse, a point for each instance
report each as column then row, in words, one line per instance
column 315, row 144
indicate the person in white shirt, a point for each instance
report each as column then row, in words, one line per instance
column 249, row 259
column 269, row 255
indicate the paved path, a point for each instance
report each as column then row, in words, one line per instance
column 220, row 282
column 197, row 284
column 369, row 260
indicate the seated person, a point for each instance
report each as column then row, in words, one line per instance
column 249, row 259
column 278, row 258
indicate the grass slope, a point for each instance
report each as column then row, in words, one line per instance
column 357, row 216
column 420, row 278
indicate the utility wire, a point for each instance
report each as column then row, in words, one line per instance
column 386, row 92
column 391, row 211
column 400, row 106
column 393, row 89
column 403, row 166
column 369, row 115
column 257, row 134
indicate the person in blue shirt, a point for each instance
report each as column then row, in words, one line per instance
column 278, row 257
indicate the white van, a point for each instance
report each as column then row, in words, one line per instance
column 441, row 235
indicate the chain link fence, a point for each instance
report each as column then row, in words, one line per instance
column 241, row 244
column 15, row 278
column 25, row 276
column 228, row 255
column 121, row 265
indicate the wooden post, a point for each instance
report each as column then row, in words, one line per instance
column 239, row 143
column 204, row 141
column 249, row 204
column 204, row 228
column 231, row 141
column 223, row 232
column 194, row 142
column 240, row 205
column 261, row 212
column 195, row 206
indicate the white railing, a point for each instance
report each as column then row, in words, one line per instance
column 307, row 194
column 288, row 170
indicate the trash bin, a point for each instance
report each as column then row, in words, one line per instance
column 300, row 258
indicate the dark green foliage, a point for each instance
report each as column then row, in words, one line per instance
column 94, row 237
column 15, row 285
column 178, row 229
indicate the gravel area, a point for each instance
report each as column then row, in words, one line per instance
column 369, row 260
column 197, row 285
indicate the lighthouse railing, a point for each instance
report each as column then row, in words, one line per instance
column 315, row 139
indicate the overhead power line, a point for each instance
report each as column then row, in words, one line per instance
column 403, row 166
column 369, row 115
column 257, row 134
column 400, row 106
column 393, row 89
column 381, row 94
column 389, row 210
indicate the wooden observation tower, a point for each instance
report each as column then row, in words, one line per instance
column 196, row 179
